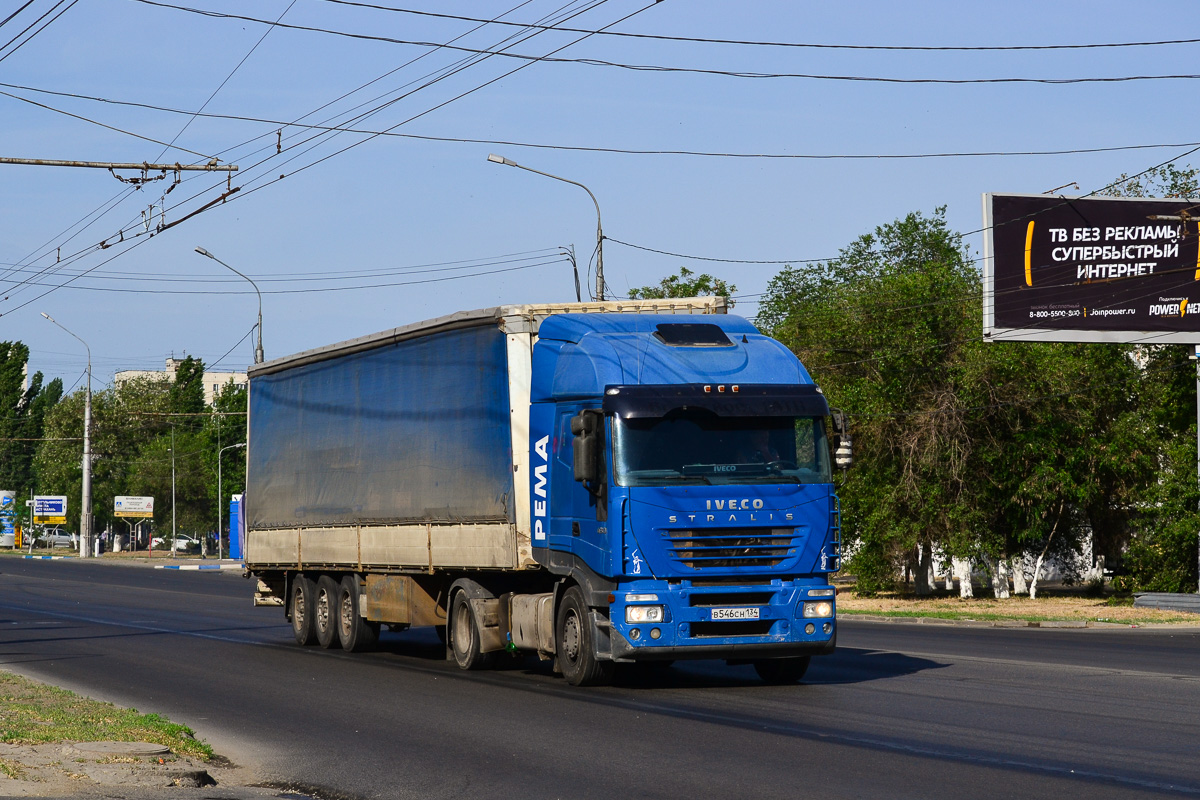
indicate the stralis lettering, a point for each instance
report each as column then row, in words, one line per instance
column 754, row 506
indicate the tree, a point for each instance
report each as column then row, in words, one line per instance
column 1164, row 181
column 685, row 284
column 970, row 449
column 22, row 414
column 1159, row 550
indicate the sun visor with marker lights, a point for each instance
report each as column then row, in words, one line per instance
column 726, row 400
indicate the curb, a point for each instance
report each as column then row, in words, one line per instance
column 47, row 558
column 1014, row 623
column 200, row 566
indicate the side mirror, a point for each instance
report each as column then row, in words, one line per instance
column 586, row 427
column 843, row 453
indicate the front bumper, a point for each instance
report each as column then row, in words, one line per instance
column 707, row 621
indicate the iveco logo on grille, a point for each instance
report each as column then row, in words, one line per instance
column 733, row 504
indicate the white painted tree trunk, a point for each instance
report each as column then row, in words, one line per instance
column 999, row 577
column 1041, row 559
column 962, row 566
column 923, row 571
column 1037, row 573
column 1018, row 575
column 950, row 576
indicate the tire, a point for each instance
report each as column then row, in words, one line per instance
column 325, row 604
column 464, row 636
column 354, row 632
column 782, row 671
column 576, row 652
column 301, row 601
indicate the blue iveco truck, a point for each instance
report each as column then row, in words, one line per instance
column 599, row 483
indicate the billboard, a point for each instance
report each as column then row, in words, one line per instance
column 8, row 508
column 1073, row 269
column 50, row 509
column 133, row 506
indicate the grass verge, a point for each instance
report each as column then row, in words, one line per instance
column 34, row 713
column 1050, row 608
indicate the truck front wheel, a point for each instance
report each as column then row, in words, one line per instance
column 301, row 609
column 576, row 652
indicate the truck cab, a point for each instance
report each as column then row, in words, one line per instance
column 682, row 486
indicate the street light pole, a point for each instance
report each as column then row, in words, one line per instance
column 508, row 162
column 173, row 529
column 221, row 494
column 85, row 514
column 258, row 352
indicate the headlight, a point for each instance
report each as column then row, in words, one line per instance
column 640, row 598
column 635, row 615
column 821, row 609
column 821, row 592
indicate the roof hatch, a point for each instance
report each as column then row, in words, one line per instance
column 691, row 334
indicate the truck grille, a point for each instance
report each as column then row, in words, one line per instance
column 722, row 548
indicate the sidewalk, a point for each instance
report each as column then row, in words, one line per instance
column 159, row 559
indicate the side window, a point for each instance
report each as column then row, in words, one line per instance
column 563, row 464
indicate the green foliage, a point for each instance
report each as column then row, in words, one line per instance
column 980, row 450
column 1162, row 550
column 685, row 284
column 1165, row 181
column 144, row 432
column 22, row 416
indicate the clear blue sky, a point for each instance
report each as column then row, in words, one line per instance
column 393, row 210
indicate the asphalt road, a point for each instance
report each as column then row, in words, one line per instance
column 900, row 711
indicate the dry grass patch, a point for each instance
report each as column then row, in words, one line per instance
column 1049, row 607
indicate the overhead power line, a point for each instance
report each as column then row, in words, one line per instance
column 803, row 45
column 664, row 68
column 278, row 123
column 320, row 136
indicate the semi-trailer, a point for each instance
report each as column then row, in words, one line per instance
column 598, row 483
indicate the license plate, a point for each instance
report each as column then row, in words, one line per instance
column 735, row 613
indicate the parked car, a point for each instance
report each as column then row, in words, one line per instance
column 183, row 542
column 56, row 537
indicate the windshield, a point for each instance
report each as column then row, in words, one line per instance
column 697, row 446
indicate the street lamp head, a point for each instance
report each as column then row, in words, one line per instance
column 495, row 159
column 204, row 252
column 47, row 316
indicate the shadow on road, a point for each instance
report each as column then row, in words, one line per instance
column 846, row 666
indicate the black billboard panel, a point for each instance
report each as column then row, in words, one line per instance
column 1069, row 269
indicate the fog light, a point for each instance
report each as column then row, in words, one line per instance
column 822, row 608
column 639, row 614
column 655, row 633
column 635, row 634
column 810, row 628
column 827, row 627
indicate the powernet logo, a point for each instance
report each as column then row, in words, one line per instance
column 1173, row 307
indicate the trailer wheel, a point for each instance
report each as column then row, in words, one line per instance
column 576, row 654
column 354, row 631
column 464, row 636
column 325, row 611
column 301, row 609
column 782, row 671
